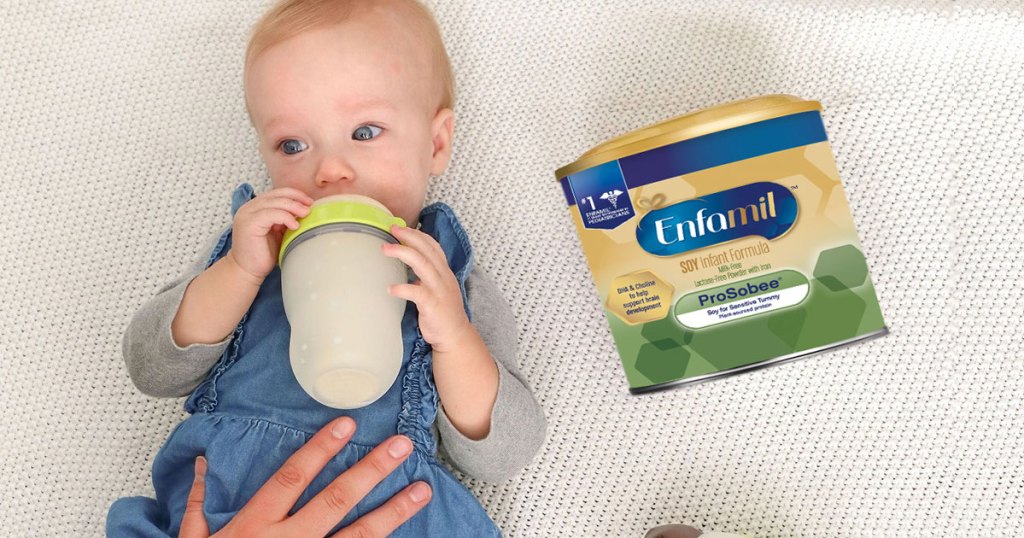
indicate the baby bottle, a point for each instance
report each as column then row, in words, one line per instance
column 346, row 330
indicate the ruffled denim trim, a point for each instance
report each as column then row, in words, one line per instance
column 420, row 401
column 416, row 418
column 466, row 266
column 204, row 397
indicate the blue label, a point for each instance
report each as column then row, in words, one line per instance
column 715, row 149
column 765, row 209
column 601, row 195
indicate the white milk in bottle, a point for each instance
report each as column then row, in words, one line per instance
column 346, row 335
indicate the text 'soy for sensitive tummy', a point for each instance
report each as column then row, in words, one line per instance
column 721, row 241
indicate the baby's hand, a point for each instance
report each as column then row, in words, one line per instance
column 437, row 294
column 259, row 225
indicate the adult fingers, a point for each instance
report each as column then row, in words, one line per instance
column 337, row 499
column 277, row 496
column 673, row 531
column 193, row 524
column 389, row 516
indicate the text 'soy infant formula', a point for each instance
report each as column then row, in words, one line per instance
column 721, row 241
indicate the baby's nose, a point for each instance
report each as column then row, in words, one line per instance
column 334, row 169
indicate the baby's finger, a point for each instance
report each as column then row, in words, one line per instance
column 423, row 243
column 277, row 496
column 415, row 259
column 287, row 192
column 299, row 209
column 270, row 216
column 193, row 524
column 389, row 516
column 410, row 292
column 329, row 506
column 294, row 201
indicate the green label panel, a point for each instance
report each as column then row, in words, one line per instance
column 758, row 295
column 837, row 303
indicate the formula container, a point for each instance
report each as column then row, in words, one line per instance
column 346, row 330
column 721, row 241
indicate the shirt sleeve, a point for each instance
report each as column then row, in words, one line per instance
column 156, row 364
column 518, row 425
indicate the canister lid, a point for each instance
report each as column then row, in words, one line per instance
column 691, row 125
column 341, row 208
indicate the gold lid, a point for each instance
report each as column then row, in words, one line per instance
column 691, row 125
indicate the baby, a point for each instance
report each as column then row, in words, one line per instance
column 347, row 96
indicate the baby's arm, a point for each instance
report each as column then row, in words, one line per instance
column 157, row 365
column 174, row 339
column 518, row 426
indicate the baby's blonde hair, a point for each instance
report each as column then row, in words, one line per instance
column 289, row 18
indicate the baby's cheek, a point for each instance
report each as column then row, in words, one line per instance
column 282, row 176
column 404, row 202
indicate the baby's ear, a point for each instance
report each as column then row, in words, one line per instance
column 441, row 135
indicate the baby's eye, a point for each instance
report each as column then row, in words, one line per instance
column 366, row 132
column 293, row 144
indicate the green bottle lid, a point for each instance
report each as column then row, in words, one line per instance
column 341, row 208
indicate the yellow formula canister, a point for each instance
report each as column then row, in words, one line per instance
column 721, row 241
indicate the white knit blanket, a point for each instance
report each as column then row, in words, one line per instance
column 123, row 131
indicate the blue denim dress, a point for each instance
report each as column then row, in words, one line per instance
column 250, row 414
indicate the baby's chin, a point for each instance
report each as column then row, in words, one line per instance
column 410, row 213
column 410, row 219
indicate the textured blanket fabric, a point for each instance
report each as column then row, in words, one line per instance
column 123, row 131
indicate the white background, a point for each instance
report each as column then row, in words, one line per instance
column 123, row 132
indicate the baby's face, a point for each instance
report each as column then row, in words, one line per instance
column 352, row 109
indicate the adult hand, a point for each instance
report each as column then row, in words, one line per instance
column 266, row 513
column 674, row 531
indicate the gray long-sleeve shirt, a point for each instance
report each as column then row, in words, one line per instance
column 159, row 367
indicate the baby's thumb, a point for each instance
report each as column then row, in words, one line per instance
column 193, row 523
